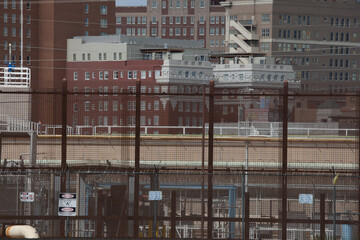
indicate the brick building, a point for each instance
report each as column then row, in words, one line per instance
column 46, row 26
column 111, row 65
column 319, row 38
column 190, row 19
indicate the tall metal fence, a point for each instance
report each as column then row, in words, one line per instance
column 202, row 164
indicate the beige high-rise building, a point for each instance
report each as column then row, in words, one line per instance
column 318, row 37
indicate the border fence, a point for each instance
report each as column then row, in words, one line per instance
column 205, row 165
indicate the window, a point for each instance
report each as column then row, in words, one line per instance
column 130, row 74
column 5, row 4
column 156, row 89
column 118, row 20
column 101, row 75
column 156, row 120
column 115, row 75
column 202, row 4
column 184, row 20
column 75, row 76
column 87, row 75
column 153, row 31
column 177, row 31
column 103, row 9
column 178, row 5
column 86, row 22
column 106, row 75
column 177, row 20
column 265, row 32
column 201, row 20
column 143, row 105
column 154, row 20
column 114, row 121
column 154, row 4
column 87, row 106
column 103, row 23
column 265, row 18
column 201, row 31
column 143, row 74
column 164, row 4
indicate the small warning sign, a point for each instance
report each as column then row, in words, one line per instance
column 27, row 197
column 67, row 204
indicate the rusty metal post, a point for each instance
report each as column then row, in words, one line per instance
column 99, row 214
column 0, row 146
column 358, row 149
column 210, row 160
column 322, row 217
column 137, row 160
column 247, row 215
column 173, row 215
column 203, row 165
column 63, row 147
column 284, row 162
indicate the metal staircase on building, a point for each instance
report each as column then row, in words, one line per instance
column 244, row 38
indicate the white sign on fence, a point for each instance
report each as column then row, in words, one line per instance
column 306, row 198
column 155, row 195
column 27, row 196
column 67, row 204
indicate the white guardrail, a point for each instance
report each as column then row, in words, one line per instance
column 264, row 129
column 241, row 129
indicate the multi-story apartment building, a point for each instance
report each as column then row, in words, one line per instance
column 105, row 70
column 37, row 31
column 111, row 65
column 318, row 37
column 200, row 20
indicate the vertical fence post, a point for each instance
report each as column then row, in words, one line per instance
column 210, row 159
column 203, row 165
column 322, row 216
column 137, row 160
column 247, row 215
column 63, row 147
column 284, row 161
column 173, row 215
column 1, row 146
column 358, row 157
column 99, row 223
